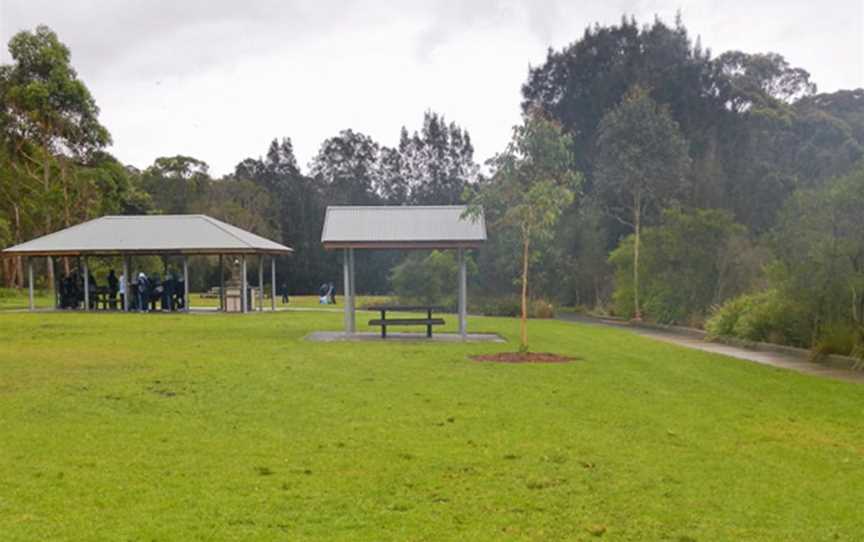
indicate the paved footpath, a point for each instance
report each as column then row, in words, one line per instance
column 774, row 359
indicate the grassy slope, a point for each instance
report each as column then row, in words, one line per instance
column 220, row 427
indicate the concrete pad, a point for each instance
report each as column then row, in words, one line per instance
column 341, row 336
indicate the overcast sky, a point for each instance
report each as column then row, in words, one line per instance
column 218, row 79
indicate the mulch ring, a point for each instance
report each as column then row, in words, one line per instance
column 523, row 357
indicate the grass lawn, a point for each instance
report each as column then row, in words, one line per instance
column 230, row 427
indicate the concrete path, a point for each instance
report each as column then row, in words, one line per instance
column 774, row 359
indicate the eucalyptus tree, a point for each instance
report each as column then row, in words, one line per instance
column 642, row 163
column 47, row 116
column 534, row 182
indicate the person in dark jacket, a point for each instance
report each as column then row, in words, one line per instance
column 113, row 286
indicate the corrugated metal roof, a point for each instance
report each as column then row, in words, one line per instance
column 430, row 226
column 193, row 234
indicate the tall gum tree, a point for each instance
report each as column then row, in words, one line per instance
column 48, row 119
column 642, row 163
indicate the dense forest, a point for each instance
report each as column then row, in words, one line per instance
column 716, row 190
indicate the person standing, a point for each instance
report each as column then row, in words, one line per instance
column 113, row 286
column 284, row 293
column 92, row 289
column 121, row 288
column 142, row 292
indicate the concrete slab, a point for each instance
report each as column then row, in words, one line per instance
column 341, row 336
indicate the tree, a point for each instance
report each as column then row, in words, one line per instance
column 691, row 261
column 48, row 121
column 437, row 163
column 347, row 167
column 176, row 183
column 533, row 183
column 641, row 164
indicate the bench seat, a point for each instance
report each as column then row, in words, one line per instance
column 428, row 322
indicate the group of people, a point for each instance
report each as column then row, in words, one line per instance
column 145, row 292
column 71, row 290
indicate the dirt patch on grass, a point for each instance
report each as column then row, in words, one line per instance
column 523, row 357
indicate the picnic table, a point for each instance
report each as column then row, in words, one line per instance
column 384, row 322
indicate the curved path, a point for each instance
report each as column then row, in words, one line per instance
column 774, row 359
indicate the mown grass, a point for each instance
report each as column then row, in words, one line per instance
column 230, row 427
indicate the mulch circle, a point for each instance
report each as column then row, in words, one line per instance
column 523, row 357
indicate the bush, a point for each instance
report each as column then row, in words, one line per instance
column 840, row 338
column 428, row 279
column 764, row 316
column 512, row 306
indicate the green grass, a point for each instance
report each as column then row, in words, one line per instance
column 230, row 427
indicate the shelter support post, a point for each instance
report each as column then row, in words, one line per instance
column 55, row 281
column 222, row 283
column 463, row 294
column 260, row 282
column 243, row 290
column 86, row 284
column 353, row 293
column 348, row 268
column 186, row 283
column 273, row 283
column 127, row 284
column 30, row 282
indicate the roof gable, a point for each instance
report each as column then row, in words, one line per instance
column 150, row 234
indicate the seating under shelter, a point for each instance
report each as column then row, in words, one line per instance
column 441, row 227
column 178, row 236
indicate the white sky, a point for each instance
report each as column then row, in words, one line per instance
column 219, row 79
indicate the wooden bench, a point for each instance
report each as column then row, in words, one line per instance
column 385, row 322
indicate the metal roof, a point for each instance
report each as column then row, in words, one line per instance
column 441, row 226
column 150, row 234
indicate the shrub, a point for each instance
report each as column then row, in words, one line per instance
column 837, row 338
column 765, row 316
column 512, row 307
column 429, row 279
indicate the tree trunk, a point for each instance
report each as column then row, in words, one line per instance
column 523, row 323
column 637, row 225
column 47, row 182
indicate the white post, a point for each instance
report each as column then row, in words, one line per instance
column 186, row 283
column 463, row 295
column 353, row 293
column 127, row 288
column 273, row 283
column 260, row 282
column 346, row 272
column 221, row 283
column 86, row 284
column 53, row 275
column 30, row 282
column 243, row 300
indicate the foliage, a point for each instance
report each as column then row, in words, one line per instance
column 766, row 316
column 533, row 184
column 693, row 260
column 511, row 306
column 427, row 278
column 641, row 166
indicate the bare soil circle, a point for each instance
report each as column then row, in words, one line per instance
column 522, row 357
